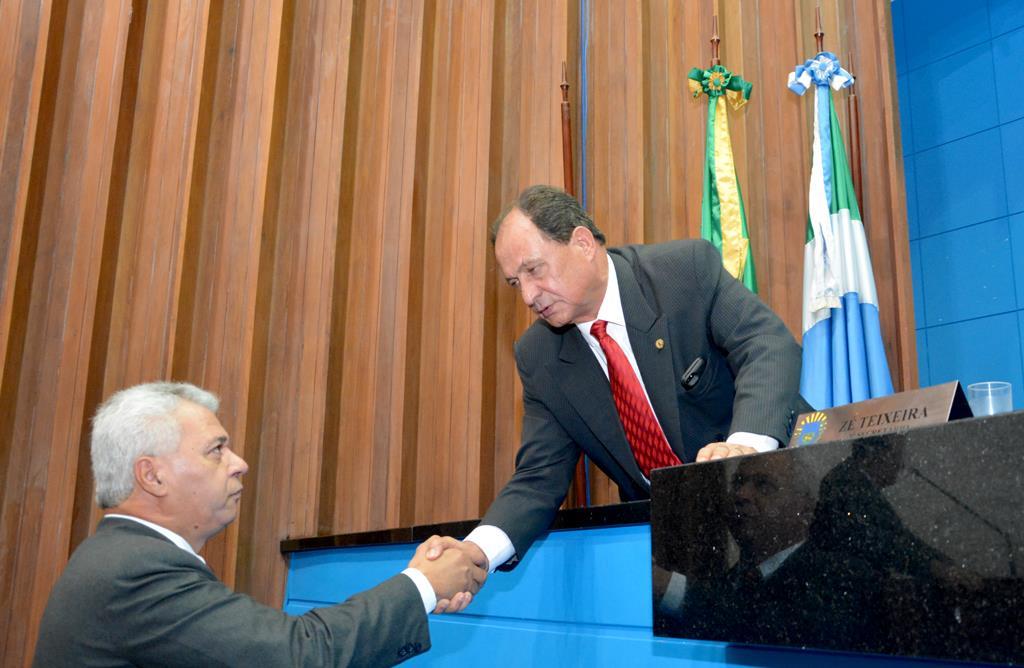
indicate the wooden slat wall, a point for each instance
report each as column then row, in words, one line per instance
column 288, row 201
column 46, row 371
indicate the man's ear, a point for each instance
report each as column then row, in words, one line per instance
column 149, row 476
column 584, row 239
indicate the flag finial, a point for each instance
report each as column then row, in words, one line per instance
column 715, row 41
column 819, row 34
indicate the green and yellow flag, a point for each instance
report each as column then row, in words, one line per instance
column 723, row 221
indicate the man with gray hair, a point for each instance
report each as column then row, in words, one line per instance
column 138, row 593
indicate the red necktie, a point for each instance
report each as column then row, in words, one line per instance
column 643, row 432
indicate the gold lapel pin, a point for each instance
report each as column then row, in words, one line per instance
column 659, row 344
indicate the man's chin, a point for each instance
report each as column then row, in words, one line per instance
column 554, row 319
column 226, row 519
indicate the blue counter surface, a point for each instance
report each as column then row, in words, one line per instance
column 581, row 597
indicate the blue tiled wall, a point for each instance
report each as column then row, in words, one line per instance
column 960, row 73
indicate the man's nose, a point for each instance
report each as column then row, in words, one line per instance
column 238, row 466
column 529, row 291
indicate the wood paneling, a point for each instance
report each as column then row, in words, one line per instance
column 372, row 413
column 22, row 60
column 455, row 243
column 531, row 40
column 287, row 202
column 44, row 387
column 301, row 236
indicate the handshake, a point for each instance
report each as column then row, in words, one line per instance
column 455, row 569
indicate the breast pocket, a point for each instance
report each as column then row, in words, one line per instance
column 705, row 402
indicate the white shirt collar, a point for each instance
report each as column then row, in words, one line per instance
column 611, row 305
column 167, row 533
column 772, row 563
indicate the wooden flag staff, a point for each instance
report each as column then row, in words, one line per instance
column 567, row 171
column 715, row 41
column 819, row 34
column 853, row 107
column 578, row 497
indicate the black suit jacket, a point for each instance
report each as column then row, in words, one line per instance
column 677, row 293
column 130, row 597
column 815, row 598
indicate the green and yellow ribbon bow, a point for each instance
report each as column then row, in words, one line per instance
column 723, row 219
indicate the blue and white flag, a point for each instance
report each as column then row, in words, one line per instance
column 844, row 358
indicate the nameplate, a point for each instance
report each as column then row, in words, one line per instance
column 896, row 412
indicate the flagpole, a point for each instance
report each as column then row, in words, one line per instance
column 715, row 41
column 819, row 34
column 579, row 481
column 567, row 170
column 853, row 107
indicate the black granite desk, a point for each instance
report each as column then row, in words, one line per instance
column 907, row 544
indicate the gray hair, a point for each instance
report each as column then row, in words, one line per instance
column 555, row 212
column 134, row 422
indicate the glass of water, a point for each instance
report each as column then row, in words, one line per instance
column 990, row 397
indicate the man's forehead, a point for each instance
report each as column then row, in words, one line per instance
column 190, row 409
column 517, row 226
column 195, row 417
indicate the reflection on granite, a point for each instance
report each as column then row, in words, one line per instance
column 903, row 544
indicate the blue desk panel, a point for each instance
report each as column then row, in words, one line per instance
column 579, row 598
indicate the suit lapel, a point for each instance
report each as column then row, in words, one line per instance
column 645, row 329
column 585, row 386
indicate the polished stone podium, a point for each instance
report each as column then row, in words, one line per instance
column 907, row 544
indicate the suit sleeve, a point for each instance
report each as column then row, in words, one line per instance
column 545, row 464
column 188, row 618
column 761, row 353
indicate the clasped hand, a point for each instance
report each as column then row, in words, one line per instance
column 455, row 569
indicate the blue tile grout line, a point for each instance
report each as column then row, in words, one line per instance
column 975, row 45
column 927, row 362
column 1020, row 342
column 920, row 272
column 922, row 237
column 1006, row 190
column 972, row 319
column 916, row 152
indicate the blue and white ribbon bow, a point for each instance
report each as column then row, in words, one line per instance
column 822, row 70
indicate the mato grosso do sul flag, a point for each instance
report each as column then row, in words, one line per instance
column 723, row 220
column 844, row 358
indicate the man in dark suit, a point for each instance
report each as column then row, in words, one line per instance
column 704, row 369
column 138, row 593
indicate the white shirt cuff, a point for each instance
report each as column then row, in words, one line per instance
column 424, row 587
column 756, row 441
column 495, row 544
column 674, row 593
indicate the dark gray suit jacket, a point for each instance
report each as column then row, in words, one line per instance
column 678, row 293
column 131, row 597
